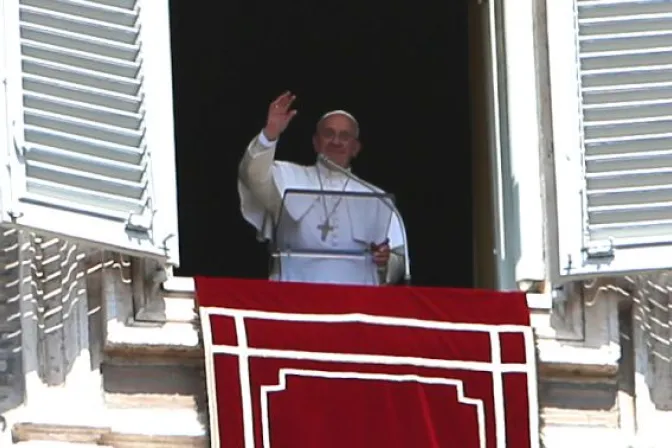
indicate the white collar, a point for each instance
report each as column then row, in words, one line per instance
column 330, row 173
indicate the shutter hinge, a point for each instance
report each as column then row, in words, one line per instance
column 600, row 250
column 139, row 223
column 19, row 144
column 164, row 243
column 14, row 214
column 142, row 222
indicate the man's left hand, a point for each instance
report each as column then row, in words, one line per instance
column 381, row 253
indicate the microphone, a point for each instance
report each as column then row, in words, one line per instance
column 390, row 204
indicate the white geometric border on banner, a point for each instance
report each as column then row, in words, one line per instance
column 244, row 353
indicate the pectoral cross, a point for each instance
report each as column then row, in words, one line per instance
column 325, row 228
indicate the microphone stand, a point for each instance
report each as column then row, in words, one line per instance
column 390, row 204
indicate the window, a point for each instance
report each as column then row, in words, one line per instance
column 88, row 123
column 610, row 68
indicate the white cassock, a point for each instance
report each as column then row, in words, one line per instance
column 262, row 184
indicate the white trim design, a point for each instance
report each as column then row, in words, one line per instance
column 282, row 386
column 244, row 352
column 244, row 373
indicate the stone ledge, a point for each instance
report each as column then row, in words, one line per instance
column 22, row 432
column 556, row 358
column 52, row 444
column 562, row 436
column 181, row 340
column 119, row 428
column 179, row 287
column 172, row 339
column 162, row 401
column 539, row 301
column 180, row 385
column 569, row 352
column 580, row 418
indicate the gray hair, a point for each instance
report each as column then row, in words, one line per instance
column 343, row 113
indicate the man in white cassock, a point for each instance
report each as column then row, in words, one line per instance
column 330, row 223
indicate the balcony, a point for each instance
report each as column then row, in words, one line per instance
column 119, row 343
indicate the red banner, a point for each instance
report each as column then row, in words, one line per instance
column 303, row 366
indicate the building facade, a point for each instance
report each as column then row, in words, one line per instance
column 573, row 124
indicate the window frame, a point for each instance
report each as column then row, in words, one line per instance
column 515, row 219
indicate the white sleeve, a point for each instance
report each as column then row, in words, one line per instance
column 395, row 232
column 396, row 265
column 259, row 195
column 266, row 142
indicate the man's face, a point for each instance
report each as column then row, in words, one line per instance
column 336, row 138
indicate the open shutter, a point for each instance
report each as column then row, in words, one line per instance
column 611, row 89
column 90, row 111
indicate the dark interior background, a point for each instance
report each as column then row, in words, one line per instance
column 400, row 67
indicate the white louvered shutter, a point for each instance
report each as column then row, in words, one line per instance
column 611, row 91
column 89, row 95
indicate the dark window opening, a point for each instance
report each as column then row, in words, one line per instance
column 400, row 68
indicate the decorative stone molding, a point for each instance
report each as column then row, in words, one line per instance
column 47, row 314
column 176, row 332
column 11, row 370
column 576, row 332
column 148, row 304
column 62, row 309
column 652, row 339
column 581, row 391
